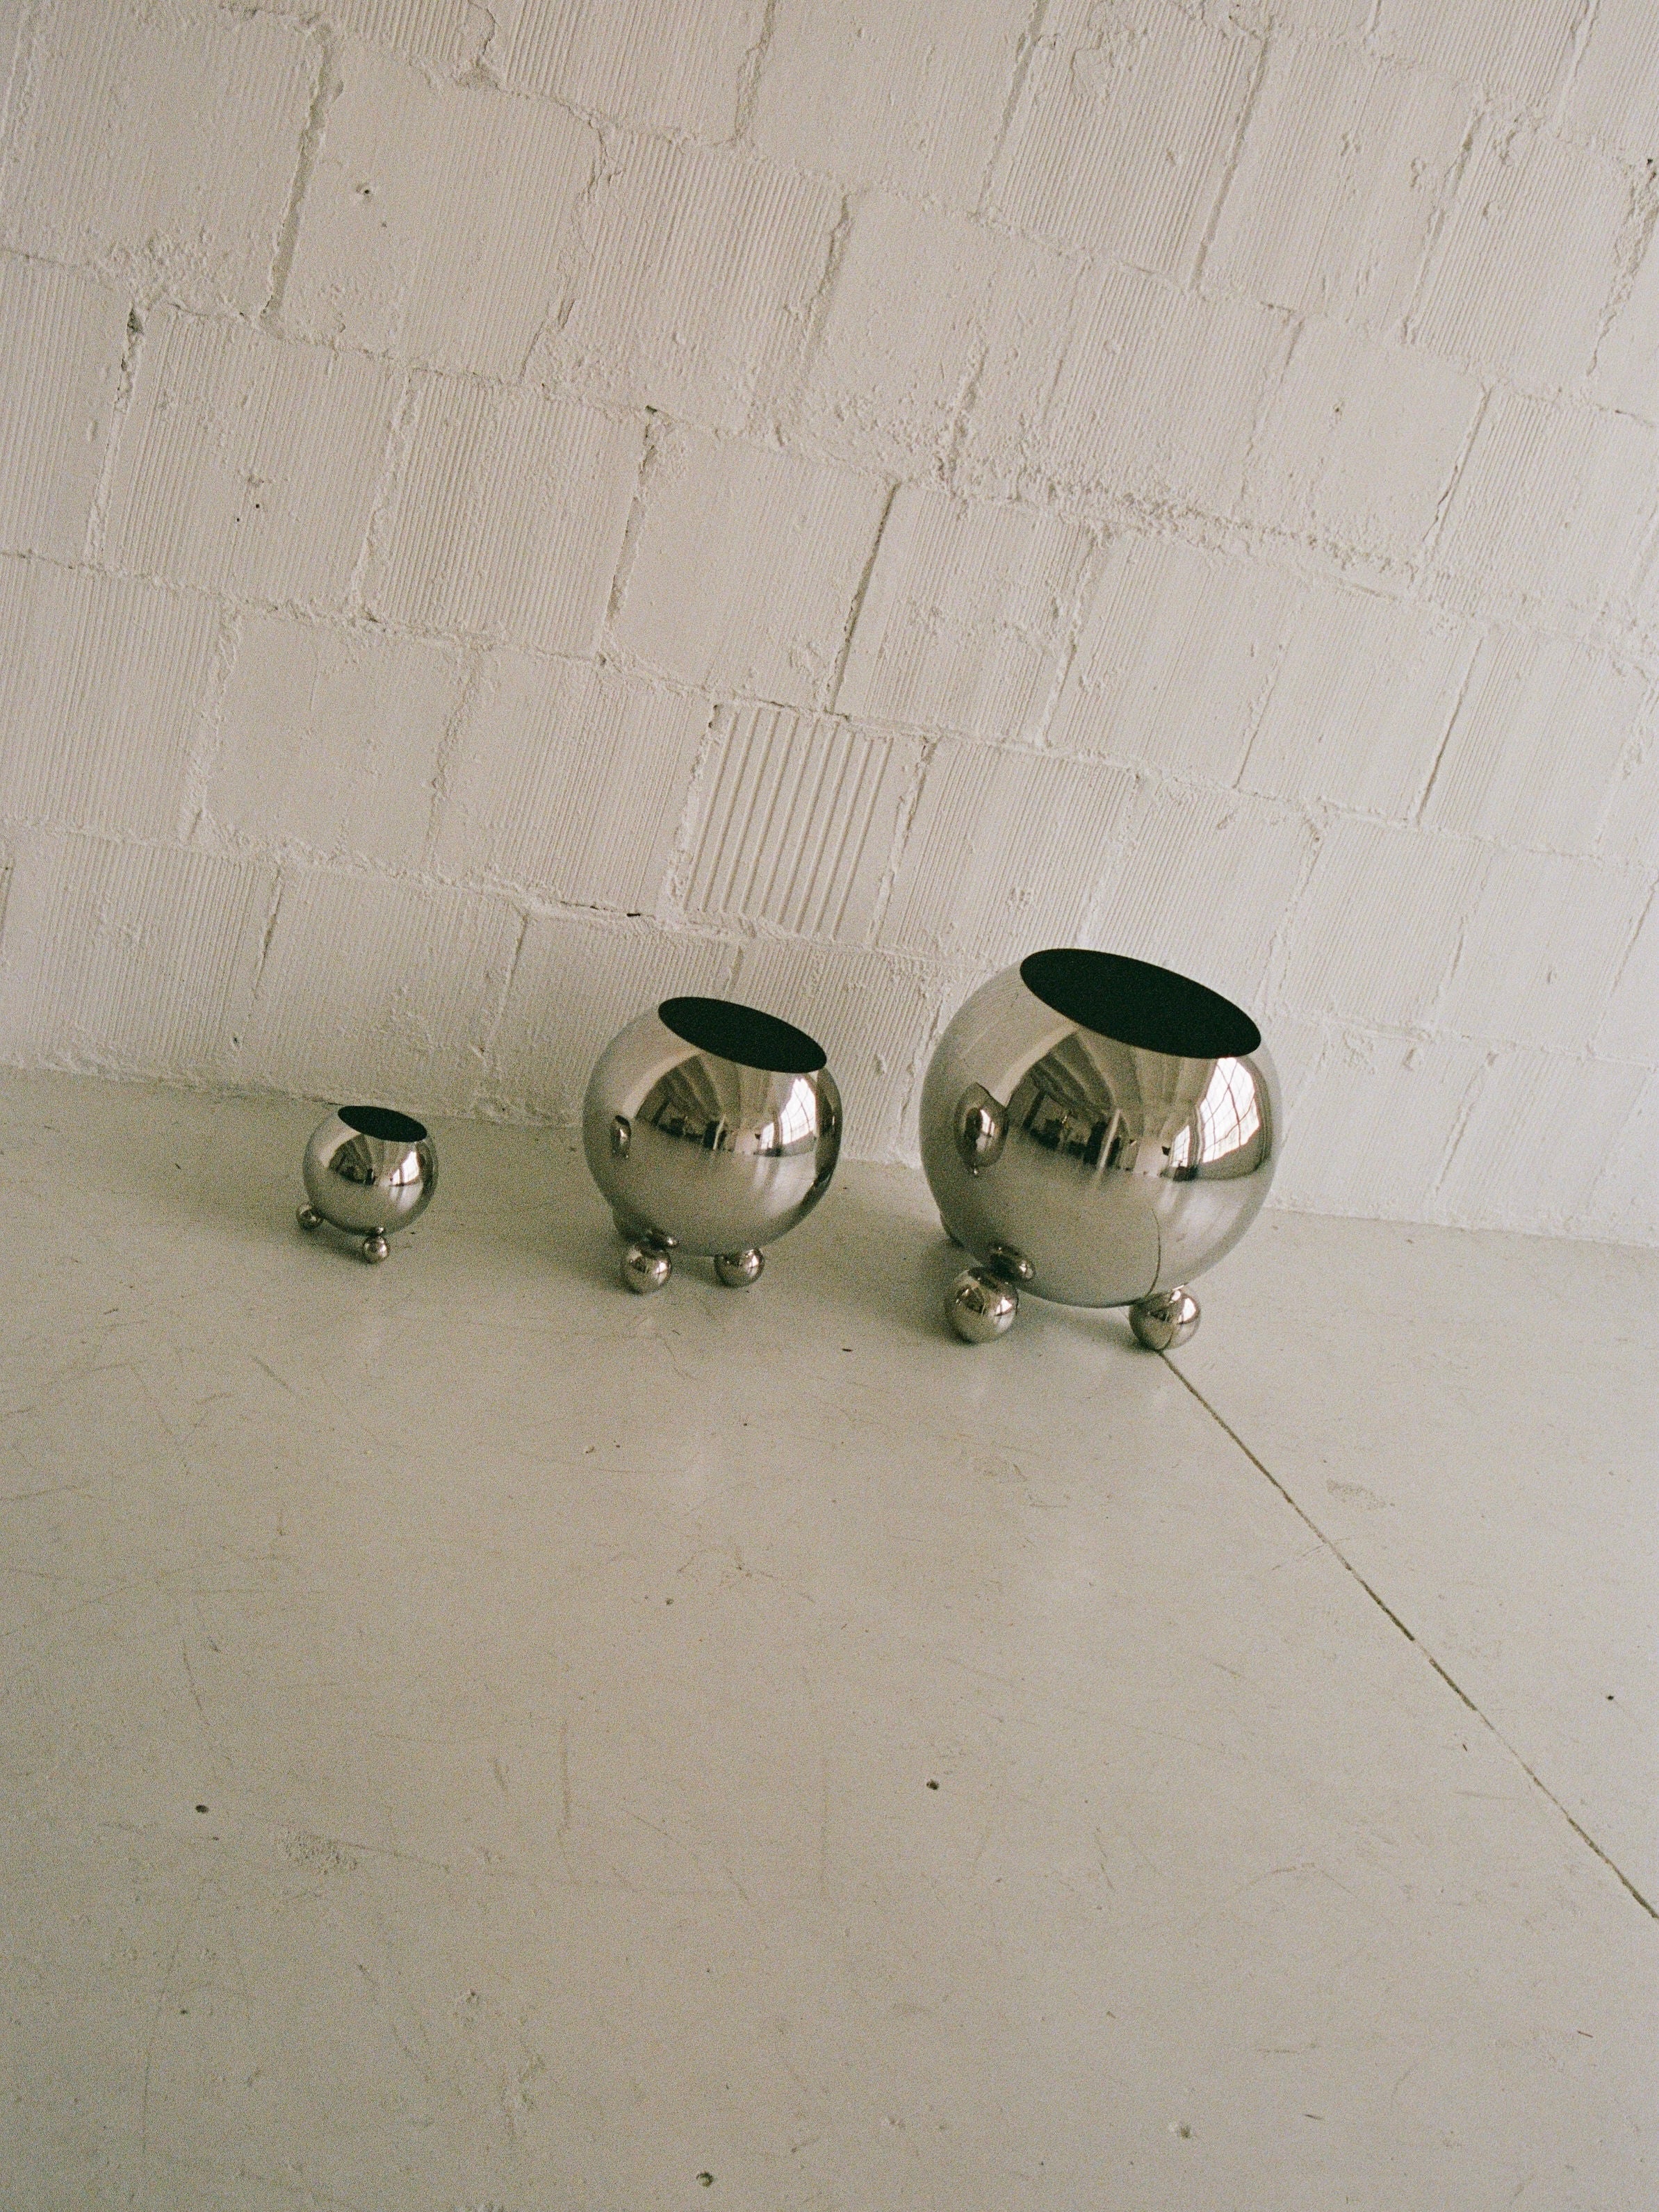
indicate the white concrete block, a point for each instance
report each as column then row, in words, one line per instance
column 1630, row 827
column 1361, row 700
column 570, row 782
column 1626, row 372
column 874, row 1016
column 1008, row 851
column 1204, row 884
column 159, row 142
column 1553, row 506
column 1347, row 166
column 1623, row 1206
column 1542, row 1134
column 1126, row 124
column 1545, row 941
column 330, row 738
column 1157, row 395
column 62, row 336
column 1524, row 270
column 1630, row 1027
column 445, row 35
column 247, row 465
column 1175, row 659
column 926, row 310
column 438, row 220
column 908, row 97
column 380, row 991
column 1374, row 934
column 966, row 617
column 508, row 516
column 747, row 567
column 675, row 64
column 696, row 274
column 1371, row 1129
column 103, row 684
column 1521, row 48
column 129, row 959
column 1360, row 443
column 798, row 822
column 1534, row 754
column 1615, row 88
column 578, row 982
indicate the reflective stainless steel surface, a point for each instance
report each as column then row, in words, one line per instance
column 1163, row 1322
column 1111, row 1125
column 368, row 1171
column 979, row 1305
column 711, row 1127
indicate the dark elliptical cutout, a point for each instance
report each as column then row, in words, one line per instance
column 1152, row 1008
column 741, row 1033
column 381, row 1121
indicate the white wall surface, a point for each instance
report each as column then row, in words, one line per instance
column 507, row 513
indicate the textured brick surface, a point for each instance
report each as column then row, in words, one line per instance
column 966, row 617
column 570, row 782
column 1121, row 138
column 247, row 465
column 747, row 568
column 439, row 222
column 331, row 737
column 508, row 515
column 506, row 511
column 62, row 339
column 159, row 139
column 103, row 684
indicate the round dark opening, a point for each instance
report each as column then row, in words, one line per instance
column 381, row 1121
column 743, row 1033
column 1130, row 1000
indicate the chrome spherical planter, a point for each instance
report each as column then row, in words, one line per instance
column 711, row 1128
column 367, row 1172
column 1098, row 1131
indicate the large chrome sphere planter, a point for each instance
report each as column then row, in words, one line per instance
column 711, row 1128
column 1098, row 1131
column 368, row 1171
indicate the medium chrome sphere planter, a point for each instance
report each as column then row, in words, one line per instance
column 711, row 1128
column 1098, row 1131
column 368, row 1171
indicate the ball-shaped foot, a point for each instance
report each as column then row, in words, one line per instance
column 1166, row 1321
column 375, row 1248
column 646, row 1267
column 308, row 1218
column 980, row 1306
column 736, row 1270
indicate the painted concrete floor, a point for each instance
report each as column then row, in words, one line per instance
column 475, row 1739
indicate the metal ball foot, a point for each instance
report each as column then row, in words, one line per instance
column 1166, row 1321
column 981, row 1306
column 736, row 1270
column 645, row 1266
column 375, row 1248
column 309, row 1219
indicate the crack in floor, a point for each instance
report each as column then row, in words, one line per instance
column 1388, row 1611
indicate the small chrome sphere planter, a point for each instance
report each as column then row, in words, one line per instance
column 1098, row 1131
column 710, row 1128
column 368, row 1171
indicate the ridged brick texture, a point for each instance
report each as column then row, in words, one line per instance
column 508, row 511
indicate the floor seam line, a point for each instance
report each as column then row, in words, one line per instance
column 1411, row 1637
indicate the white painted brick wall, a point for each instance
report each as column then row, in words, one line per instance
column 508, row 511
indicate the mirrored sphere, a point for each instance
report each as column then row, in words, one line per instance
column 1114, row 1124
column 370, row 1171
column 711, row 1125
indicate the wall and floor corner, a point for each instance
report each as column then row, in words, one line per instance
column 507, row 513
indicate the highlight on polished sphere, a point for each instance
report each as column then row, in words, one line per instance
column 367, row 1172
column 711, row 1128
column 1098, row 1131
